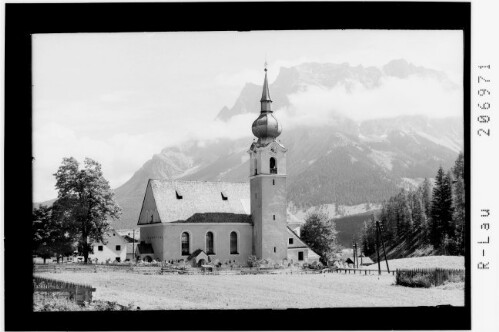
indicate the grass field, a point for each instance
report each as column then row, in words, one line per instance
column 150, row 292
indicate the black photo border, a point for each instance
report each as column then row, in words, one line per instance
column 23, row 20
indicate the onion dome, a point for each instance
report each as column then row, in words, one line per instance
column 266, row 127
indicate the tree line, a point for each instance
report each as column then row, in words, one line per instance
column 79, row 216
column 433, row 214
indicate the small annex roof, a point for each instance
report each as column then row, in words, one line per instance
column 362, row 259
column 145, row 248
column 201, row 201
column 197, row 253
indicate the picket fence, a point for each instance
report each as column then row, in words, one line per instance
column 435, row 277
column 79, row 293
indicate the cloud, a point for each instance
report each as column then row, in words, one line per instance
column 120, row 155
column 395, row 97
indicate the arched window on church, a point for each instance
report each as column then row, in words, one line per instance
column 209, row 244
column 233, row 243
column 273, row 166
column 185, row 244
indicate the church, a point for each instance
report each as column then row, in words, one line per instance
column 225, row 221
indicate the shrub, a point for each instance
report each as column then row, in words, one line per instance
column 416, row 280
column 253, row 261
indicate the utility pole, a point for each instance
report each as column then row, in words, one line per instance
column 354, row 254
column 133, row 246
column 378, row 228
column 377, row 252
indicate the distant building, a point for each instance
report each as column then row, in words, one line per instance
column 226, row 221
column 362, row 260
column 115, row 248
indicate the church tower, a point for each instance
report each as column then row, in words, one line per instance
column 268, row 184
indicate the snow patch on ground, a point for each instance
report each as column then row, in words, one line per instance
column 409, row 183
column 312, row 161
column 382, row 158
column 373, row 138
column 333, row 212
column 444, row 141
column 188, row 171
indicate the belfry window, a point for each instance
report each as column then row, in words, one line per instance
column 185, row 244
column 209, row 244
column 233, row 243
column 273, row 166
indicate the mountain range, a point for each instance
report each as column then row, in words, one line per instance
column 343, row 162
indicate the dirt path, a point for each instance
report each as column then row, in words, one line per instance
column 258, row 291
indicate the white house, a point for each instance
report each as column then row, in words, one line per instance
column 115, row 248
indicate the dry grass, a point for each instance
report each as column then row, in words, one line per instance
column 427, row 262
column 258, row 291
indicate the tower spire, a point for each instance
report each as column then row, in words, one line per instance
column 266, row 127
column 266, row 101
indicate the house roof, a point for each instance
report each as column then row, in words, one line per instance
column 298, row 243
column 129, row 239
column 201, row 201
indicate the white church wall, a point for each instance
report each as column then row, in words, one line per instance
column 168, row 236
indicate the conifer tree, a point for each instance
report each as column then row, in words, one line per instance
column 458, row 201
column 441, row 209
column 368, row 237
column 417, row 209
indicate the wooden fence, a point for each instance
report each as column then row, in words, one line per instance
column 79, row 293
column 97, row 268
column 357, row 271
column 428, row 277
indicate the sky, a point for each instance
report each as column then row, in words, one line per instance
column 119, row 98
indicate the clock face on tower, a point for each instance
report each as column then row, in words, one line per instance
column 273, row 149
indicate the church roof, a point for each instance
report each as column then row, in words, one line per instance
column 201, row 201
